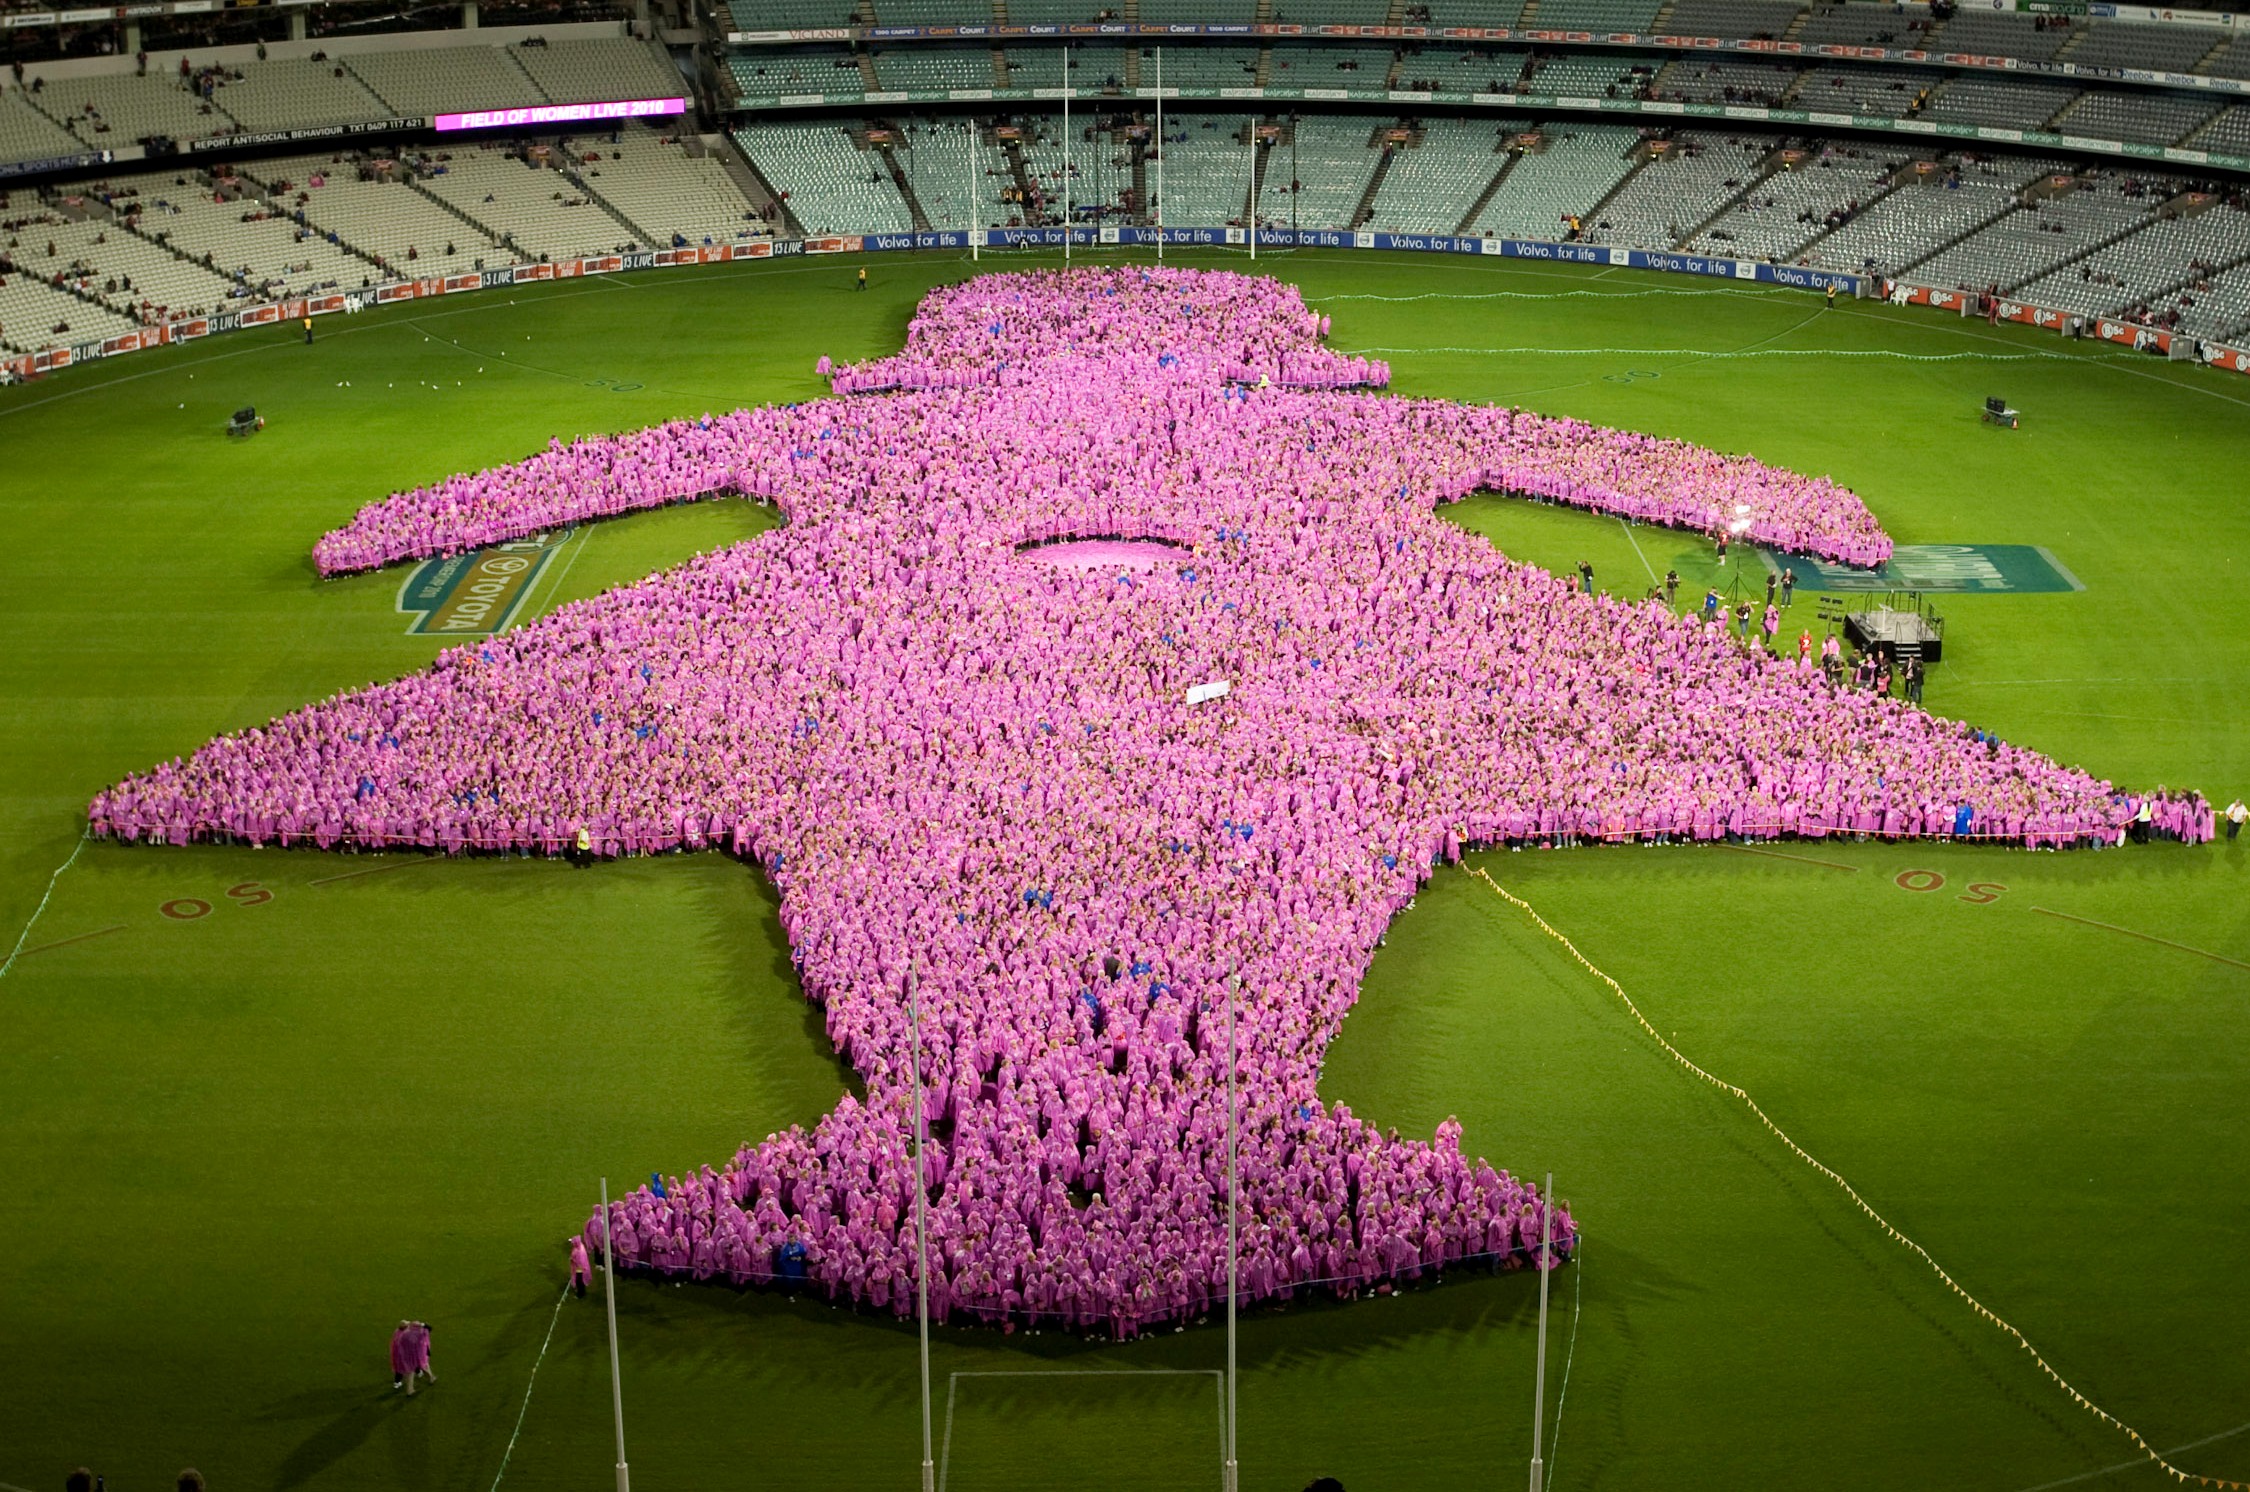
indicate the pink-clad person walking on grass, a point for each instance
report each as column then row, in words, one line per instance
column 410, row 1355
column 581, row 1270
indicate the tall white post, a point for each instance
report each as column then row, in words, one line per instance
column 969, row 214
column 921, row 1222
column 616, row 1385
column 1159, row 155
column 1539, row 1380
column 1234, row 1283
column 1066, row 154
column 1253, row 189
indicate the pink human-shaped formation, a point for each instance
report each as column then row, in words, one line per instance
column 980, row 774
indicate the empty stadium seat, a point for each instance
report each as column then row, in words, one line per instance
column 1431, row 186
column 832, row 185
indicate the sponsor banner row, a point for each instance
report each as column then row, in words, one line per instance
column 1904, row 56
column 1346, row 239
column 333, row 302
column 229, row 144
column 1733, row 112
column 54, row 163
column 2125, row 333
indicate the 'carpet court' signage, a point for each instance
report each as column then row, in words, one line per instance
column 476, row 594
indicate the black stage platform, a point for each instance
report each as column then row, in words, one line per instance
column 1895, row 634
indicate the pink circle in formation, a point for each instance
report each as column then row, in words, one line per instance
column 1104, row 554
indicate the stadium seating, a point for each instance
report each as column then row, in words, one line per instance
column 438, row 79
column 2144, row 118
column 927, row 67
column 117, row 109
column 1044, row 162
column 2231, row 60
column 1042, row 12
column 384, row 218
column 1598, row 15
column 28, row 135
column 2164, row 254
column 792, row 15
column 1998, row 103
column 1430, row 187
column 1361, row 69
column 31, row 308
column 592, row 71
column 1167, row 11
column 1206, row 169
column 2167, row 49
column 1991, row 33
column 1919, row 218
column 1584, row 75
column 1676, row 190
column 272, row 254
column 927, row 12
column 832, row 186
column 1767, row 18
column 2036, row 237
column 797, row 70
column 1474, row 12
column 110, row 251
column 1470, row 70
column 2217, row 308
column 1879, row 92
column 1854, row 25
column 1580, row 164
column 1793, row 206
column 655, row 184
column 1331, row 12
column 2100, row 249
column 1331, row 161
column 1092, row 69
column 1724, row 80
column 540, row 209
column 2227, row 130
column 31, row 311
column 1210, row 67
column 958, row 174
column 297, row 94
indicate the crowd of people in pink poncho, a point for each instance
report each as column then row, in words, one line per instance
column 977, row 777
column 1002, row 334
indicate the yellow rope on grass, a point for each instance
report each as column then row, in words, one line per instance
column 1857, row 1200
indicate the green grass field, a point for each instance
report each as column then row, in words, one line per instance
column 235, row 1147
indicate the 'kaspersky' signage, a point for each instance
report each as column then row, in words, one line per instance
column 476, row 594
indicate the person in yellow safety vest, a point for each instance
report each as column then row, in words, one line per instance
column 582, row 848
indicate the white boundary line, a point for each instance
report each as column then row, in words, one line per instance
column 534, row 1378
column 1562, row 1396
column 2087, row 1476
column 1636, row 543
column 554, row 587
column 1992, row 1317
column 24, row 936
column 953, row 1384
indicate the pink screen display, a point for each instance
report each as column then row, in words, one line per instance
column 631, row 108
